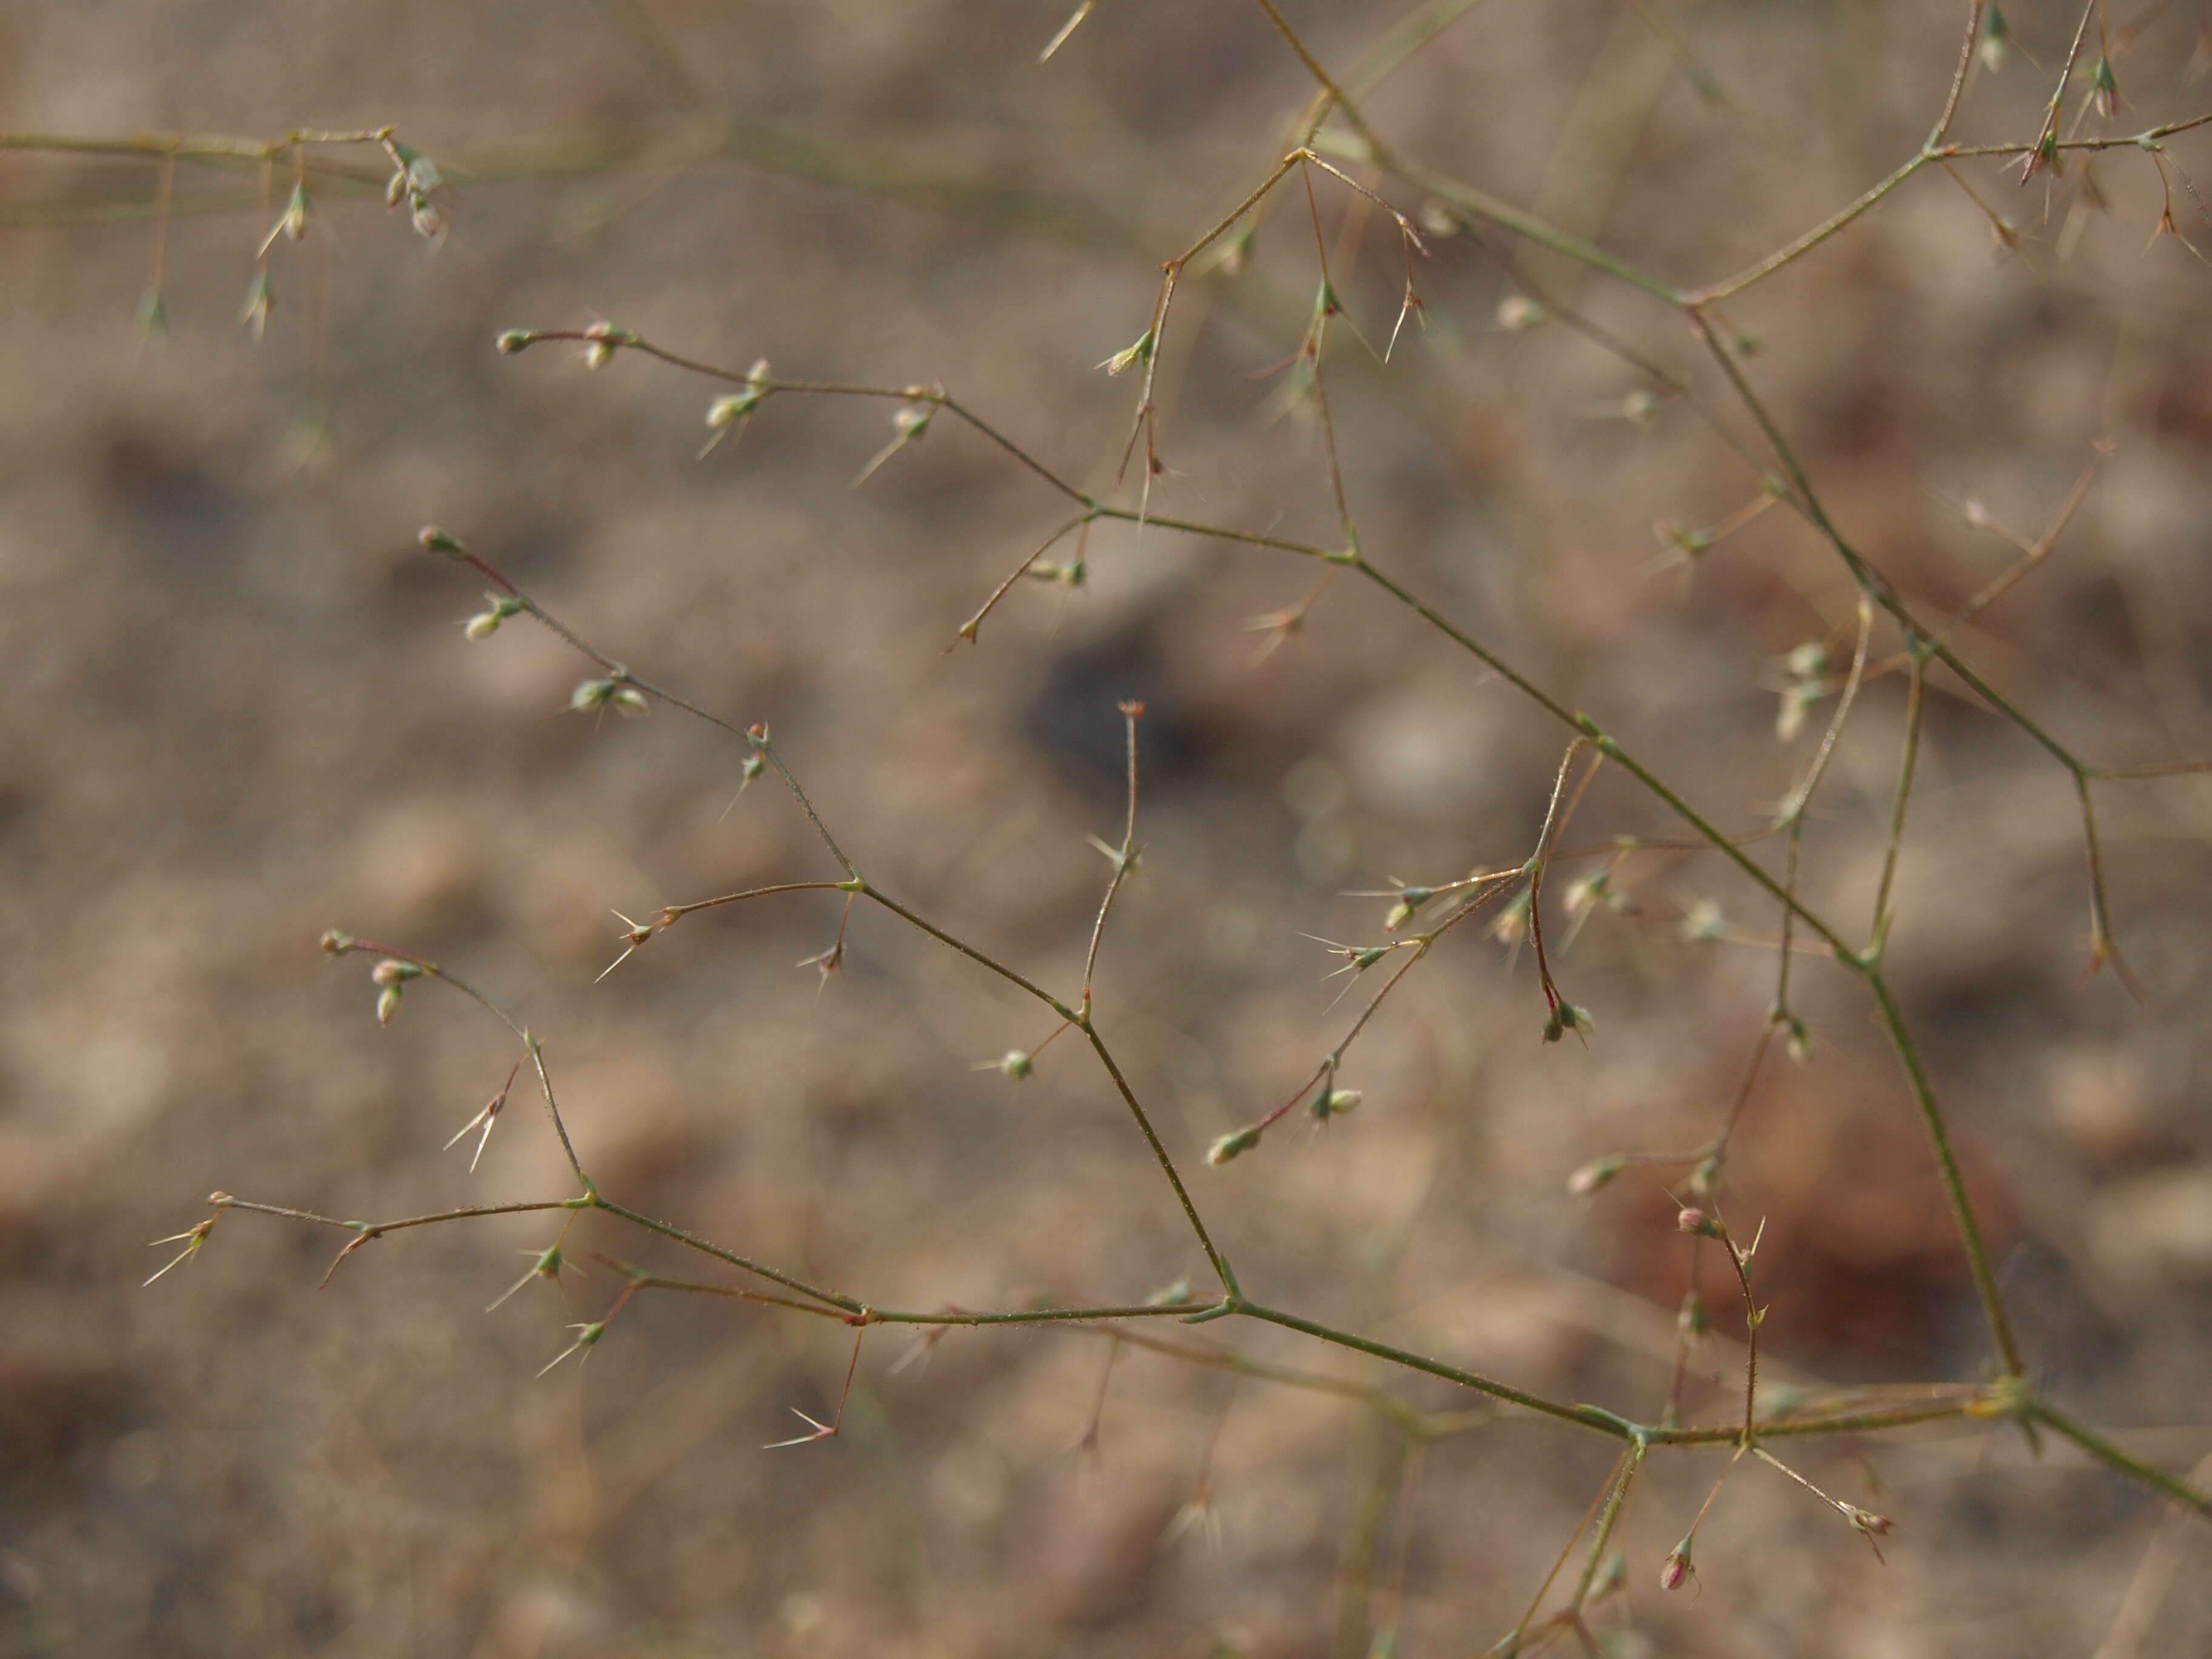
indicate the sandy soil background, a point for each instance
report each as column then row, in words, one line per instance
column 240, row 710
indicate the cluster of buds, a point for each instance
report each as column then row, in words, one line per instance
column 601, row 341
column 727, row 415
column 1806, row 669
column 389, row 976
column 591, row 696
column 1565, row 1017
column 415, row 177
column 485, row 624
column 1409, row 900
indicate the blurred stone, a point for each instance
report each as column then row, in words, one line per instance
column 2101, row 1102
column 2155, row 1226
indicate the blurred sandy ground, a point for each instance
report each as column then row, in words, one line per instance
column 240, row 710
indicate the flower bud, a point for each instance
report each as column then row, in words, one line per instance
column 294, row 222
column 1334, row 1103
column 1692, row 1220
column 628, row 700
column 387, row 1003
column 590, row 695
column 1995, row 46
column 512, row 340
column 1677, row 1567
column 260, row 300
column 1598, row 1172
column 1517, row 313
column 1129, row 356
column 1232, row 1145
column 1016, row 1064
column 435, row 540
column 393, row 971
column 336, row 941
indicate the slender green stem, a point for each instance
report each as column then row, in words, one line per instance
column 1946, row 1167
column 1582, row 1416
column 2113, row 1458
column 692, row 1241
